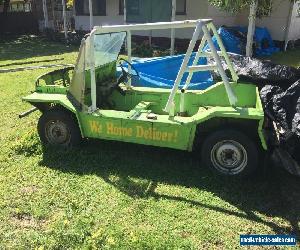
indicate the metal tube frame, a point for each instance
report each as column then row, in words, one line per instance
column 172, row 49
column 184, row 67
column 201, row 25
column 231, row 96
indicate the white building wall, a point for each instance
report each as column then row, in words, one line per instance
column 195, row 9
column 228, row 19
column 294, row 33
column 112, row 17
column 276, row 23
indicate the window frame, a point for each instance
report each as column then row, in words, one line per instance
column 121, row 7
column 81, row 13
column 138, row 9
column 181, row 13
column 105, row 9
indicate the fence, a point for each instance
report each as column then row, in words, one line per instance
column 18, row 22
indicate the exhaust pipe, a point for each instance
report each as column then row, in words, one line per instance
column 26, row 113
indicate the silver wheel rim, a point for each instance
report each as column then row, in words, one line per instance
column 57, row 132
column 229, row 157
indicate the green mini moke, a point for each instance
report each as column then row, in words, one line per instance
column 224, row 122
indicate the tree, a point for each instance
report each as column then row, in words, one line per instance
column 258, row 8
column 69, row 3
column 263, row 7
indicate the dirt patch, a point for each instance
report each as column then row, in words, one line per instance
column 29, row 189
column 28, row 221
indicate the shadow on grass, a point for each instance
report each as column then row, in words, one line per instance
column 30, row 62
column 28, row 46
column 274, row 194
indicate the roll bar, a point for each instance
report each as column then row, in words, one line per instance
column 201, row 26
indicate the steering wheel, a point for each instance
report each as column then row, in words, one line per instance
column 125, row 73
column 125, row 76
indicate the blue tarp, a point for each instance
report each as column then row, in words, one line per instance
column 234, row 39
column 161, row 72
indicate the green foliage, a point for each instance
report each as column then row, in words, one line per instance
column 264, row 6
column 70, row 4
column 145, row 50
column 142, row 50
column 231, row 5
column 162, row 52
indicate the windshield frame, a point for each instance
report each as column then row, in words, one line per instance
column 101, row 56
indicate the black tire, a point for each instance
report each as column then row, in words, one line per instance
column 230, row 153
column 58, row 128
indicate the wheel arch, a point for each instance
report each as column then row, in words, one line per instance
column 58, row 105
column 250, row 127
column 230, row 152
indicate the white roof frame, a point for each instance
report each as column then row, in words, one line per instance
column 149, row 26
column 199, row 25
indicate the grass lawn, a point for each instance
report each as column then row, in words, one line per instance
column 291, row 57
column 120, row 196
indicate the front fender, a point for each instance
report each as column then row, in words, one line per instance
column 44, row 101
column 43, row 98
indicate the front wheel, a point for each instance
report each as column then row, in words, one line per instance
column 58, row 128
column 230, row 152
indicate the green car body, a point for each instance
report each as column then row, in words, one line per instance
column 130, row 121
column 106, row 107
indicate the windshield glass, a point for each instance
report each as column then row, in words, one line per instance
column 107, row 48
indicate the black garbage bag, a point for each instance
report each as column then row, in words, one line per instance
column 260, row 72
column 280, row 94
column 283, row 107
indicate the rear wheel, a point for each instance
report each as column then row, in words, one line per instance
column 230, row 152
column 58, row 128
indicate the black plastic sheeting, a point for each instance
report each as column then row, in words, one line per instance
column 260, row 72
column 284, row 107
column 280, row 94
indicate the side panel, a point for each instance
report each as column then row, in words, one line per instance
column 139, row 131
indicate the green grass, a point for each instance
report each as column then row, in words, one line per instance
column 291, row 57
column 120, row 196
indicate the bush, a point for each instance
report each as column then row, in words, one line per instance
column 143, row 50
column 74, row 38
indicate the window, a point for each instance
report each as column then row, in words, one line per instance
column 99, row 7
column 82, row 7
column 121, row 7
column 20, row 7
column 133, row 7
column 180, row 7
